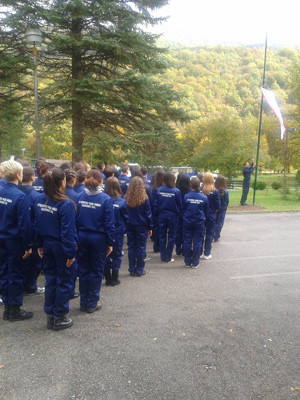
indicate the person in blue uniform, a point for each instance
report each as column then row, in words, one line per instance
column 195, row 205
column 124, row 178
column 56, row 238
column 95, row 227
column 41, row 169
column 169, row 203
column 32, row 264
column 15, row 243
column 247, row 171
column 144, row 171
column 114, row 260
column 183, row 184
column 213, row 198
column 80, row 179
column 70, row 192
column 139, row 226
column 157, row 181
column 2, row 180
column 220, row 185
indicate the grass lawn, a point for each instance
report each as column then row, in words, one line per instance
column 267, row 200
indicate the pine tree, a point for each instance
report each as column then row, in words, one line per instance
column 98, row 68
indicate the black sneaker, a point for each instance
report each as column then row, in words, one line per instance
column 17, row 314
column 6, row 312
column 142, row 274
column 93, row 309
column 50, row 321
column 74, row 296
column 60, row 323
column 132, row 273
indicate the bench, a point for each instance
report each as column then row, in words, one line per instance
column 234, row 184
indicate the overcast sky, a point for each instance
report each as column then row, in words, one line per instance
column 231, row 21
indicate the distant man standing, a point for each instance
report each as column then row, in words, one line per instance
column 247, row 171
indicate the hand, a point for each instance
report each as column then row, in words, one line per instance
column 69, row 262
column 149, row 233
column 252, row 160
column 27, row 254
column 40, row 252
column 109, row 249
column 254, row 165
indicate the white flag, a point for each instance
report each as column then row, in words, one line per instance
column 271, row 100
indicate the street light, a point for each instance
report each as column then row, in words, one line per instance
column 286, row 150
column 34, row 36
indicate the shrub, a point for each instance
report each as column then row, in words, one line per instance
column 276, row 185
column 259, row 185
column 298, row 177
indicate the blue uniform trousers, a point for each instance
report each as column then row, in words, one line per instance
column 114, row 260
column 74, row 276
column 136, row 241
column 11, row 271
column 59, row 279
column 167, row 234
column 91, row 261
column 155, row 231
column 209, row 234
column 179, row 242
column 219, row 224
column 193, row 235
column 246, row 186
column 32, row 269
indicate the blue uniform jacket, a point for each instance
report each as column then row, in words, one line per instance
column 247, row 173
column 56, row 222
column 32, row 195
column 79, row 188
column 38, row 185
column 224, row 201
column 195, row 205
column 95, row 214
column 168, row 200
column 213, row 203
column 3, row 182
column 70, row 192
column 141, row 215
column 14, row 215
column 120, row 213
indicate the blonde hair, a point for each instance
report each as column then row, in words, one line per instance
column 208, row 183
column 10, row 169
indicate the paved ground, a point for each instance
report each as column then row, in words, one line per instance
column 227, row 330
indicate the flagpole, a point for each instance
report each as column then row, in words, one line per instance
column 260, row 118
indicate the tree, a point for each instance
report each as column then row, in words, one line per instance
column 98, row 66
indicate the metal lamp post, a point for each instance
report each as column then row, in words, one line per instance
column 34, row 36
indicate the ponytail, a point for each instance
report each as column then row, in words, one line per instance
column 52, row 183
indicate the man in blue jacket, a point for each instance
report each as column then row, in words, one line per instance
column 15, row 241
column 247, row 171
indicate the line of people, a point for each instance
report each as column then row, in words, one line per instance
column 75, row 224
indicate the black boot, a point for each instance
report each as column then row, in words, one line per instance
column 17, row 314
column 62, row 323
column 50, row 321
column 6, row 312
column 114, row 280
column 107, row 277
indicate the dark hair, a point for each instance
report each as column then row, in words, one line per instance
column 200, row 177
column 136, row 171
column 22, row 161
column 124, row 168
column 28, row 172
column 109, row 171
column 220, row 184
column 70, row 174
column 144, row 170
column 79, row 166
column 101, row 165
column 183, row 182
column 65, row 165
column 41, row 169
column 80, row 176
column 112, row 187
column 93, row 179
column 52, row 185
column 159, row 178
column 195, row 183
column 169, row 179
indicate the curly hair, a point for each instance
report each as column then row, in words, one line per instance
column 135, row 194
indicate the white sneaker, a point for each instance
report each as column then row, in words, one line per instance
column 202, row 256
column 207, row 257
column 195, row 266
column 187, row 266
column 172, row 260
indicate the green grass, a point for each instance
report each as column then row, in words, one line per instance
column 269, row 199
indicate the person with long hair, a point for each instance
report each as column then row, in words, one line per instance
column 213, row 198
column 114, row 260
column 41, row 169
column 139, row 226
column 169, row 203
column 15, row 243
column 95, row 227
column 157, row 180
column 195, row 206
column 80, row 179
column 183, row 184
column 220, row 185
column 57, row 247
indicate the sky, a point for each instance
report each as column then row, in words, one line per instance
column 231, row 21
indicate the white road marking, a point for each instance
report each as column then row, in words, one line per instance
column 260, row 257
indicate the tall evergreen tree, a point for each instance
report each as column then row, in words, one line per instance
column 98, row 66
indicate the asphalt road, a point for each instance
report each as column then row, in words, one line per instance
column 227, row 330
